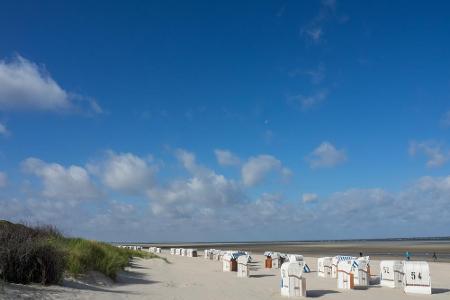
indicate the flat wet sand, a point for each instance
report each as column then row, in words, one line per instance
column 420, row 250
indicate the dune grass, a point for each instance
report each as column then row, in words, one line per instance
column 43, row 255
column 85, row 255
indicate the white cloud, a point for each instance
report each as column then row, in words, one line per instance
column 125, row 172
column 201, row 194
column 118, row 218
column 188, row 160
column 72, row 183
column 309, row 197
column 256, row 169
column 3, row 130
column 267, row 205
column 306, row 102
column 3, row 179
column 196, row 196
column 406, row 213
column 437, row 156
column 206, row 205
column 325, row 156
column 226, row 158
column 26, row 86
column 433, row 183
column 353, row 206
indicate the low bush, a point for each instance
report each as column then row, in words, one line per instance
column 26, row 256
column 42, row 255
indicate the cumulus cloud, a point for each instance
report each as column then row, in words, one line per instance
column 199, row 195
column 351, row 213
column 306, row 102
column 61, row 183
column 195, row 196
column 26, row 86
column 3, row 130
column 187, row 159
column 3, row 179
column 257, row 168
column 118, row 218
column 436, row 155
column 405, row 213
column 433, row 183
column 226, row 158
column 125, row 172
column 309, row 197
column 267, row 205
column 205, row 205
column 325, row 156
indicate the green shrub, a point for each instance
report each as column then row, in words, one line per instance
column 85, row 255
column 27, row 256
column 42, row 254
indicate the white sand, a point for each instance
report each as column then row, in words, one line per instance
column 197, row 278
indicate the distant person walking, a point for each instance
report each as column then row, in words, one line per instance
column 407, row 255
column 434, row 256
column 360, row 254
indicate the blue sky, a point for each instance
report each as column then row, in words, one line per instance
column 164, row 120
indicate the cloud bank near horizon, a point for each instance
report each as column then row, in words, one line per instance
column 125, row 197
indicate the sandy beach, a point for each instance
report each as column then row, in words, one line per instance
column 198, row 278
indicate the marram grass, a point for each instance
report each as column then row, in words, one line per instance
column 42, row 255
column 86, row 255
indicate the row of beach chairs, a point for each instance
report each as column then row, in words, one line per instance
column 350, row 272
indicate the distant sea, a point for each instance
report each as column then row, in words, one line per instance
column 421, row 248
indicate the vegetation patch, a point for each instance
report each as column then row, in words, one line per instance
column 41, row 254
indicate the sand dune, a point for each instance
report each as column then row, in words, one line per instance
column 197, row 278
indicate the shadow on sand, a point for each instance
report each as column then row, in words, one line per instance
column 261, row 275
column 136, row 266
column 132, row 277
column 88, row 282
column 374, row 280
column 11, row 290
column 439, row 291
column 320, row 293
column 124, row 278
column 91, row 287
